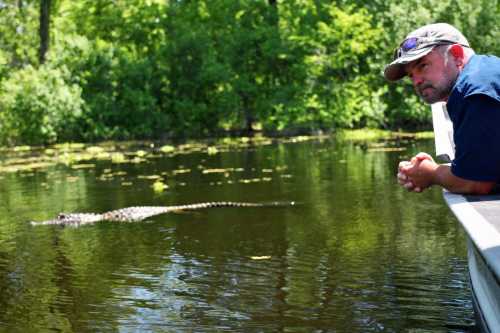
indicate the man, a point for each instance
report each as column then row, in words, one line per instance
column 442, row 66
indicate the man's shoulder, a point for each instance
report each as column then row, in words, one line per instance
column 481, row 76
column 483, row 66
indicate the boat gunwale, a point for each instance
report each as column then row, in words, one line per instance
column 483, row 235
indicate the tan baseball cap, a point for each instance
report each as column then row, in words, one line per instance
column 420, row 43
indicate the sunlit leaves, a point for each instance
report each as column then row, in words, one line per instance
column 148, row 69
column 38, row 106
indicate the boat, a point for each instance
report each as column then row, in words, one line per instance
column 480, row 217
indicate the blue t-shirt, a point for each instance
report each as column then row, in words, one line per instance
column 474, row 109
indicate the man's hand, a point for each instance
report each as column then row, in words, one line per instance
column 420, row 157
column 407, row 169
column 403, row 179
column 422, row 172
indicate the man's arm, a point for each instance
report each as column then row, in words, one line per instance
column 422, row 173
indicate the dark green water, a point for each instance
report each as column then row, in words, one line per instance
column 358, row 255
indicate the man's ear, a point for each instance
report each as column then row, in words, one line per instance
column 457, row 51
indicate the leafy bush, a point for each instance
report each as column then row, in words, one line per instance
column 149, row 68
column 38, row 106
column 117, row 85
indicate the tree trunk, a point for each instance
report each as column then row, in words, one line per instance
column 44, row 30
column 249, row 118
column 273, row 15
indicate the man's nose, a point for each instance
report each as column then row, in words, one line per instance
column 416, row 80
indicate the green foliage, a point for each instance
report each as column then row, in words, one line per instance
column 336, row 68
column 38, row 106
column 118, row 87
column 18, row 33
column 155, row 68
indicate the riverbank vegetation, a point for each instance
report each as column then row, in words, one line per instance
column 94, row 70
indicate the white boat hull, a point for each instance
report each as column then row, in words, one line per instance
column 480, row 217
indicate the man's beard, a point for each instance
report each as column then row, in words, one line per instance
column 439, row 91
column 434, row 93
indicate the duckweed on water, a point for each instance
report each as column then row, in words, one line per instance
column 82, row 156
column 377, row 134
column 118, row 158
column 21, row 148
column 167, row 149
column 260, row 257
column 386, row 149
column 159, row 186
column 212, row 150
column 181, row 171
column 141, row 153
column 149, row 177
column 95, row 150
column 83, row 166
column 207, row 171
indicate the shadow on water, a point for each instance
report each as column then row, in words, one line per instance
column 359, row 254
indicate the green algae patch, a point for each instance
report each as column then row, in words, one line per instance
column 212, row 150
column 83, row 166
column 424, row 135
column 25, row 167
column 167, row 149
column 159, row 186
column 378, row 134
column 118, row 158
column 21, row 148
column 87, row 156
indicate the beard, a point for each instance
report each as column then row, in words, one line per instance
column 437, row 91
column 433, row 93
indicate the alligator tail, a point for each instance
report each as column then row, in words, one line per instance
column 220, row 204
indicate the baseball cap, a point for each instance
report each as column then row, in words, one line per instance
column 420, row 43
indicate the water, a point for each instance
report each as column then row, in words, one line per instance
column 359, row 254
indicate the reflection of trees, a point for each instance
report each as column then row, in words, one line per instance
column 363, row 221
column 106, row 261
column 359, row 252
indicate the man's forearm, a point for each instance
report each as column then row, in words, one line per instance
column 444, row 177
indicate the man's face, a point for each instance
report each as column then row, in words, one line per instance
column 432, row 76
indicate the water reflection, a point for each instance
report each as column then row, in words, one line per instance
column 359, row 254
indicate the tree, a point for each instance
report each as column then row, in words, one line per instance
column 44, row 30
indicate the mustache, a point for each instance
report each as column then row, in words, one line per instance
column 424, row 86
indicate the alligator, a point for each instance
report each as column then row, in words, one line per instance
column 139, row 213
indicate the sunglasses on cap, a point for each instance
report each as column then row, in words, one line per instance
column 416, row 42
